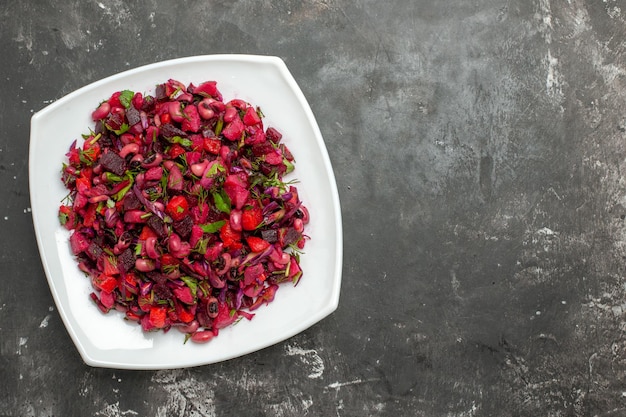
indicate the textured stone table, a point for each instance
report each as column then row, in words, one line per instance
column 479, row 149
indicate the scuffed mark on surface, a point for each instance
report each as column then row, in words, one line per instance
column 113, row 410
column 338, row 385
column 545, row 18
column 553, row 78
column 186, row 396
column 73, row 38
column 116, row 10
column 310, row 358
column 85, row 384
column 24, row 39
column 44, row 322
column 608, row 71
column 21, row 343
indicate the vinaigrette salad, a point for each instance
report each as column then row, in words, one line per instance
column 178, row 209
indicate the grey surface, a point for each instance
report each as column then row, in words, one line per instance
column 479, row 150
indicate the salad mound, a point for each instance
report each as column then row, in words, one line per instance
column 178, row 209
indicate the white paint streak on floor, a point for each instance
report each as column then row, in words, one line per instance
column 21, row 343
column 44, row 322
column 113, row 410
column 553, row 77
column 186, row 396
column 338, row 385
column 310, row 358
column 545, row 14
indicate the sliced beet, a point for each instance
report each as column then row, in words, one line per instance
column 148, row 104
column 183, row 227
column 208, row 133
column 291, row 236
column 158, row 226
column 131, row 202
column 132, row 115
column 273, row 135
column 126, row 261
column 157, row 277
column 160, row 92
column 99, row 128
column 162, row 292
column 105, row 140
column 270, row 235
column 259, row 149
column 169, row 131
column 94, row 251
column 114, row 121
column 112, row 162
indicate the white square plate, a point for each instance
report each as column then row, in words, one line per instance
column 108, row 340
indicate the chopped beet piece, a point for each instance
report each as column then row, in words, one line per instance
column 264, row 148
column 158, row 226
column 105, row 140
column 208, row 133
column 183, row 227
column 99, row 128
column 157, row 277
column 94, row 251
column 148, row 104
column 132, row 115
column 126, row 261
column 291, row 236
column 273, row 135
column 169, row 131
column 131, row 202
column 160, row 92
column 162, row 292
column 114, row 122
column 270, row 235
column 112, row 162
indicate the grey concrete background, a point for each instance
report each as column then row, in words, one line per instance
column 479, row 150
